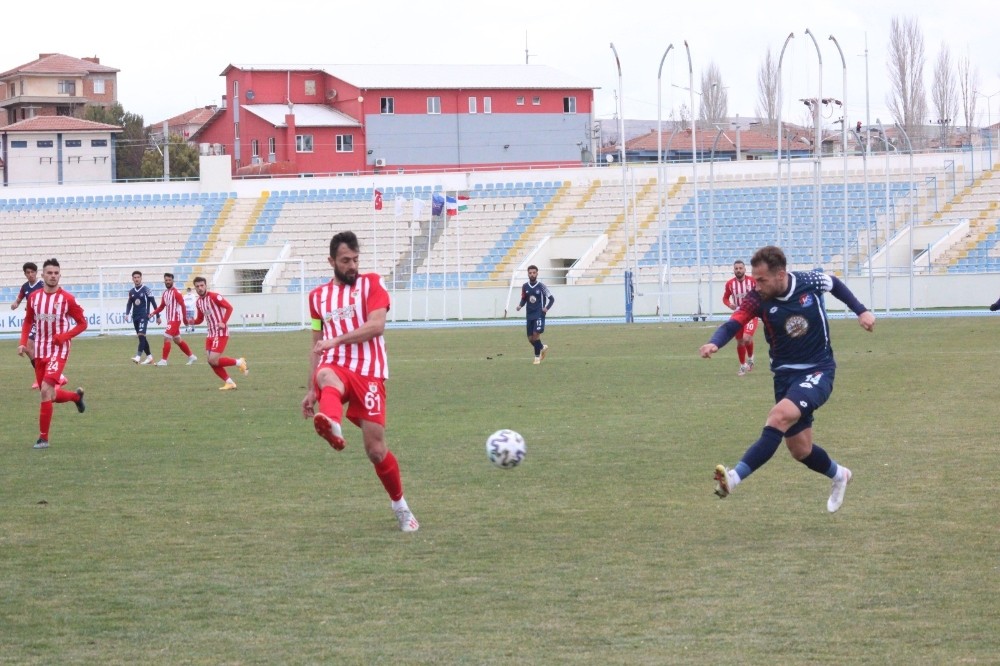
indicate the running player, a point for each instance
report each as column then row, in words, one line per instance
column 790, row 305
column 736, row 288
column 173, row 302
column 348, row 364
column 47, row 313
column 539, row 301
column 215, row 311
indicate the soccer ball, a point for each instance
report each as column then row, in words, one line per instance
column 505, row 448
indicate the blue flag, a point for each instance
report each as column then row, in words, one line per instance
column 437, row 204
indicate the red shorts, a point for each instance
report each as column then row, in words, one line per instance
column 748, row 330
column 217, row 345
column 172, row 330
column 365, row 396
column 49, row 369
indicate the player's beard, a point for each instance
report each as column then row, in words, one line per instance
column 345, row 278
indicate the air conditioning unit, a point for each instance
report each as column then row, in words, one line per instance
column 380, row 161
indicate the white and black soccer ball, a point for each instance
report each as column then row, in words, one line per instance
column 505, row 448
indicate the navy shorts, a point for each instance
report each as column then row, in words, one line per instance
column 808, row 389
column 536, row 325
column 140, row 324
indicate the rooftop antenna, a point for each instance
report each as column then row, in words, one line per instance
column 526, row 54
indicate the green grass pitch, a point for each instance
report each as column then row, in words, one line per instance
column 176, row 524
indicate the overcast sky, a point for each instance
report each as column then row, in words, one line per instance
column 170, row 62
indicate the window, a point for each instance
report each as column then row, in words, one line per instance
column 388, row 105
column 67, row 87
column 345, row 143
column 236, row 92
column 18, row 144
column 255, row 148
column 569, row 104
column 519, row 101
column 310, row 86
column 98, row 86
column 44, row 144
column 236, row 130
column 472, row 105
column 98, row 143
column 74, row 143
column 536, row 101
column 270, row 146
column 64, row 110
column 433, row 105
column 487, row 105
column 303, row 143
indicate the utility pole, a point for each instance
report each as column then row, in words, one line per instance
column 166, row 153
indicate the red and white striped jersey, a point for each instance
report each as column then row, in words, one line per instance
column 215, row 311
column 50, row 314
column 338, row 309
column 736, row 290
column 172, row 305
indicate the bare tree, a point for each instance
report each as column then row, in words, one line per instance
column 767, row 89
column 944, row 93
column 907, row 99
column 968, row 83
column 714, row 98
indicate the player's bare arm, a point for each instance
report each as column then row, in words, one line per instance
column 309, row 402
column 372, row 328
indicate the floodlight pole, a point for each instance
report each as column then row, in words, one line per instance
column 777, row 220
column 818, row 154
column 694, row 174
column 913, row 207
column 621, row 143
column 660, row 171
column 843, row 124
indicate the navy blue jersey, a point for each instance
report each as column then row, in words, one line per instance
column 795, row 324
column 140, row 302
column 27, row 288
column 536, row 296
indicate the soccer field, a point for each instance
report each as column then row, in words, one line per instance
column 175, row 524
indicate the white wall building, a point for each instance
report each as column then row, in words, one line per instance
column 57, row 150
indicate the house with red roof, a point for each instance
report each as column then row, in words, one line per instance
column 55, row 85
column 184, row 125
column 330, row 119
column 57, row 150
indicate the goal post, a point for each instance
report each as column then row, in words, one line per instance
column 267, row 294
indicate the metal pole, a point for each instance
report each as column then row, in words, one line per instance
column 694, row 175
column 913, row 209
column 777, row 210
column 843, row 106
column 621, row 145
column 711, row 219
column 885, row 247
column 659, row 169
column 818, row 154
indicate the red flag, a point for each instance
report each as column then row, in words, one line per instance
column 378, row 200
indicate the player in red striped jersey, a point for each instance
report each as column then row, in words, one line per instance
column 738, row 287
column 49, row 310
column 173, row 302
column 348, row 364
column 215, row 311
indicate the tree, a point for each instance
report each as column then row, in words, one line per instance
column 767, row 89
column 183, row 160
column 944, row 95
column 907, row 99
column 968, row 83
column 130, row 145
column 714, row 98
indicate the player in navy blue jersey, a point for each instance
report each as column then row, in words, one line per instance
column 790, row 307
column 140, row 304
column 995, row 306
column 33, row 283
column 539, row 300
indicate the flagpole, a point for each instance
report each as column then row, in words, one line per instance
column 458, row 263
column 395, row 257
column 413, row 249
column 375, row 205
column 444, row 266
column 427, row 267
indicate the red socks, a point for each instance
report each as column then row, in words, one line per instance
column 45, row 419
column 388, row 473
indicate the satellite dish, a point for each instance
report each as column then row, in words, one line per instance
column 331, row 94
column 250, row 95
column 609, row 157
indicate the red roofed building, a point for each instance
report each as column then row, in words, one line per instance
column 186, row 124
column 56, row 150
column 56, row 85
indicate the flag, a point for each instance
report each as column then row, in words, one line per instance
column 452, row 206
column 399, row 206
column 378, row 200
column 463, row 203
column 418, row 209
column 437, row 204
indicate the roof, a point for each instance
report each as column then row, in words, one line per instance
column 750, row 140
column 306, row 115
column 58, row 124
column 59, row 64
column 410, row 76
column 197, row 116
